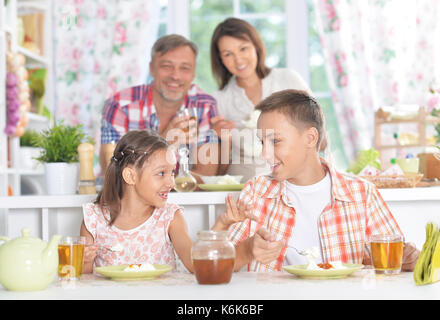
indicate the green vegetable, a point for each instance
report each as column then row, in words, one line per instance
column 427, row 269
column 60, row 143
column 369, row 157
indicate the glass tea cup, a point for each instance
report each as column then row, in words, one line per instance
column 387, row 253
column 192, row 118
column 71, row 257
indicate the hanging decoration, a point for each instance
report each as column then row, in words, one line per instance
column 17, row 94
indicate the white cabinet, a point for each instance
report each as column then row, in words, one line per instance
column 11, row 173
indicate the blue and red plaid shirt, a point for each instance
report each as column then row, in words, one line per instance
column 133, row 109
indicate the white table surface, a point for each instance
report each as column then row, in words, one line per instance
column 364, row 284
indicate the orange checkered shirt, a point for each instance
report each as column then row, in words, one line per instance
column 356, row 211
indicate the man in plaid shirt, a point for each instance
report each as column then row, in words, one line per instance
column 155, row 106
column 305, row 203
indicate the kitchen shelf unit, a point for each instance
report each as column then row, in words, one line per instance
column 11, row 174
column 422, row 119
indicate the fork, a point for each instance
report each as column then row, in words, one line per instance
column 300, row 252
column 109, row 249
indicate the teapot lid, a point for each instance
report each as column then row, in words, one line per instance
column 25, row 232
column 25, row 240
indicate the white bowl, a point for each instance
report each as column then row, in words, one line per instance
column 216, row 179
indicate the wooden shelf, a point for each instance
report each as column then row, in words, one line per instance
column 42, row 38
column 30, row 7
column 37, row 117
column 423, row 119
column 32, row 59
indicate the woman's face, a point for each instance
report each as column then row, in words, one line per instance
column 239, row 56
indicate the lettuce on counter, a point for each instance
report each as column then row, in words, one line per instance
column 369, row 157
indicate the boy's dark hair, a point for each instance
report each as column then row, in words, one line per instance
column 239, row 29
column 134, row 149
column 302, row 109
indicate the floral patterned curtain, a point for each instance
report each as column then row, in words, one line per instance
column 101, row 46
column 378, row 53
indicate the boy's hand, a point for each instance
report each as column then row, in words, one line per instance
column 236, row 212
column 410, row 256
column 264, row 248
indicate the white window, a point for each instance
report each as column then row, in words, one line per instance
column 288, row 30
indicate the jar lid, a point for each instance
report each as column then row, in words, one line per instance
column 212, row 235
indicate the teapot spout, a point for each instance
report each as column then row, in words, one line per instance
column 50, row 253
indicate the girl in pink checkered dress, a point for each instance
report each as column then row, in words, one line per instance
column 131, row 212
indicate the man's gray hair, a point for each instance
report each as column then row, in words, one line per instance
column 171, row 42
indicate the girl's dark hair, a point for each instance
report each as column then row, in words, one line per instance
column 239, row 29
column 134, row 149
column 302, row 109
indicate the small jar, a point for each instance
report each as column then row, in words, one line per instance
column 213, row 257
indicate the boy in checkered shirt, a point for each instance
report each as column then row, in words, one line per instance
column 305, row 203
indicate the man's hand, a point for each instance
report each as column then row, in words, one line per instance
column 181, row 131
column 410, row 256
column 263, row 247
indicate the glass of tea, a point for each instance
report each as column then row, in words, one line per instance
column 387, row 253
column 191, row 113
column 213, row 257
column 71, row 257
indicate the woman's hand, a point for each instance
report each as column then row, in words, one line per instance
column 222, row 127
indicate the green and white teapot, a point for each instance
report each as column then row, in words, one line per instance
column 27, row 263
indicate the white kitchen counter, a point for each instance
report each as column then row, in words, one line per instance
column 46, row 215
column 364, row 284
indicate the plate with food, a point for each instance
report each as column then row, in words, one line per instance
column 221, row 183
column 332, row 270
column 221, row 187
column 144, row 271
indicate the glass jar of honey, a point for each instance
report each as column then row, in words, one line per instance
column 213, row 257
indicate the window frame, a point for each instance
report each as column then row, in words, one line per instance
column 297, row 29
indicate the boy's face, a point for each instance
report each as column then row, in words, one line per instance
column 285, row 147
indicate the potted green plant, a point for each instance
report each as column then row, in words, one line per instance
column 59, row 145
column 28, row 151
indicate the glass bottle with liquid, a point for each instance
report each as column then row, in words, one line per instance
column 184, row 181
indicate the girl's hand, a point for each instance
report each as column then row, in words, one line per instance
column 236, row 212
column 90, row 252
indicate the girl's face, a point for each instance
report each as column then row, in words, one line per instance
column 156, row 179
column 239, row 56
column 285, row 147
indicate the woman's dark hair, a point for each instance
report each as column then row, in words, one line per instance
column 239, row 29
column 302, row 109
column 134, row 149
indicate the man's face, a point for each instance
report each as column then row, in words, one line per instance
column 173, row 73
